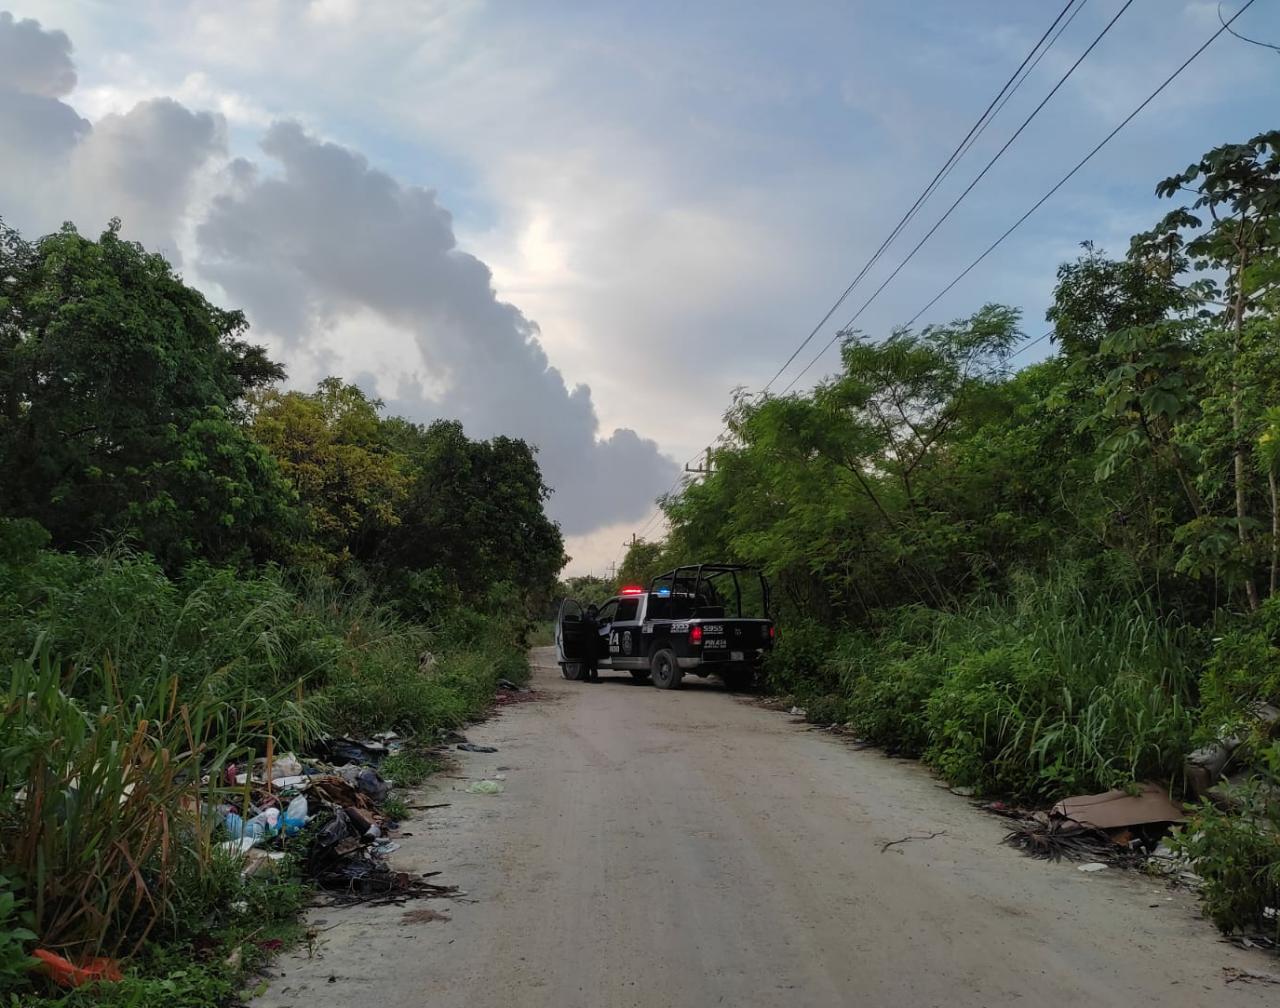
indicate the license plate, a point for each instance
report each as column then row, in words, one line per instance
column 736, row 655
column 714, row 645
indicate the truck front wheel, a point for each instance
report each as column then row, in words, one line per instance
column 664, row 670
column 573, row 670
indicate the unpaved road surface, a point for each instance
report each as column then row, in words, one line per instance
column 687, row 848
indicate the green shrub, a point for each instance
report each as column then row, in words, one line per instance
column 888, row 702
column 1238, row 856
column 1049, row 689
column 1243, row 670
column 798, row 665
column 16, row 937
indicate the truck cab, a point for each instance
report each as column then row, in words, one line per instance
column 700, row 619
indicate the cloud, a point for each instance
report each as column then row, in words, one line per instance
column 322, row 237
column 37, row 128
column 338, row 265
column 33, row 60
column 139, row 165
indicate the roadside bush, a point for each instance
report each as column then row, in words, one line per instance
column 971, row 719
column 1043, row 691
column 798, row 664
column 1237, row 854
column 1243, row 671
column 889, row 678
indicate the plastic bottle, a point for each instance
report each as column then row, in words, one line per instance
column 295, row 816
column 263, row 824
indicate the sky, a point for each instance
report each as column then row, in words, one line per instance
column 586, row 224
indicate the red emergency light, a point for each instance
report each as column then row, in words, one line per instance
column 632, row 590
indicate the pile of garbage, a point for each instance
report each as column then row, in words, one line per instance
column 339, row 794
column 1120, row 827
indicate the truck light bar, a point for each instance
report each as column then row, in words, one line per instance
column 632, row 590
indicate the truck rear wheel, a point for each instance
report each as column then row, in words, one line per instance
column 664, row 670
column 572, row 670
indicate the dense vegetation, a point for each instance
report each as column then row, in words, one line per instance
column 197, row 567
column 1054, row 579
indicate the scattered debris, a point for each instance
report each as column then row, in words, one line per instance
column 1113, row 827
column 905, row 839
column 423, row 916
column 1092, row 866
column 337, row 791
column 963, row 792
column 472, row 747
column 65, row 973
column 505, row 697
column 1204, row 767
column 1054, row 838
column 341, row 750
column 1117, row 809
column 1233, row 974
column 1253, row 941
column 507, row 684
column 486, row 787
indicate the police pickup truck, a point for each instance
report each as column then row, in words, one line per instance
column 704, row 619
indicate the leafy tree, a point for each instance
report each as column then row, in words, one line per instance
column 643, row 560
column 331, row 445
column 121, row 399
column 472, row 512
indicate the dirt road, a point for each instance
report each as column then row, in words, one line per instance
column 685, row 848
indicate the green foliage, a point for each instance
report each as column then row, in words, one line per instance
column 797, row 663
column 150, row 480
column 1242, row 672
column 1238, row 855
column 473, row 513
column 409, row 767
column 642, row 562
column 120, row 393
column 16, row 938
column 332, row 448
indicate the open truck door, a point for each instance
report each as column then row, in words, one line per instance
column 577, row 639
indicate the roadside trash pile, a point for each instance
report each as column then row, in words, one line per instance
column 509, row 693
column 1115, row 827
column 339, row 794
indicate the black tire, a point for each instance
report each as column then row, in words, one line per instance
column 572, row 671
column 639, row 675
column 664, row 670
column 738, row 680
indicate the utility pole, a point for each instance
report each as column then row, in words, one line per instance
column 705, row 469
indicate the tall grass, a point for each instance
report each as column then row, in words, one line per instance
column 101, row 801
column 1046, row 690
column 125, row 694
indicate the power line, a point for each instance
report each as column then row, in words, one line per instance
column 1027, row 346
column 1019, row 75
column 928, row 191
column 1027, row 73
column 1081, row 163
column 968, row 189
column 1058, row 185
